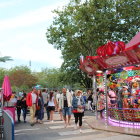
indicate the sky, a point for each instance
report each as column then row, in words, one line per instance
column 23, row 24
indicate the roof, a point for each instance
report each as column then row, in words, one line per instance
column 135, row 40
column 130, row 56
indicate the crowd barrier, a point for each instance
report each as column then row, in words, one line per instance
column 8, row 126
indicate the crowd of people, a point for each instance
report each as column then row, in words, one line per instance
column 66, row 102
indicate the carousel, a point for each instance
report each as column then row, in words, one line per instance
column 116, row 73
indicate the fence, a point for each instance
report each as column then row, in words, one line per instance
column 8, row 127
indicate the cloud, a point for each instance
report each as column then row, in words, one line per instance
column 31, row 17
column 31, row 45
column 9, row 3
column 23, row 37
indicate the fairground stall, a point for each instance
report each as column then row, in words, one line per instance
column 116, row 72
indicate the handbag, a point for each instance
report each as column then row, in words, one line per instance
column 38, row 108
column 74, row 111
column 80, row 110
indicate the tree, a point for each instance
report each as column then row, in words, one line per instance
column 22, row 78
column 50, row 78
column 5, row 58
column 80, row 27
column 3, row 72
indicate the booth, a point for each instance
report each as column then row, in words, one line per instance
column 117, row 69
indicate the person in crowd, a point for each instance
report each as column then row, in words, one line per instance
column 90, row 100
column 31, row 102
column 113, row 97
column 100, row 102
column 24, row 106
column 57, row 105
column 65, row 103
column 13, row 99
column 85, row 97
column 119, row 98
column 125, row 94
column 51, row 105
column 45, row 96
column 40, row 108
column 55, row 94
column 18, row 106
column 94, row 101
column 78, row 104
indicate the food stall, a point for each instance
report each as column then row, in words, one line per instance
column 117, row 69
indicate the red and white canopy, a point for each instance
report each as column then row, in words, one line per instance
column 129, row 56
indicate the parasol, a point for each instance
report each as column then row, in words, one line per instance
column 6, row 86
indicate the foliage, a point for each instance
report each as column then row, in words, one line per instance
column 5, row 58
column 3, row 72
column 22, row 78
column 49, row 78
column 80, row 27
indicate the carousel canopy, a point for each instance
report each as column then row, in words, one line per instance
column 134, row 40
column 113, row 55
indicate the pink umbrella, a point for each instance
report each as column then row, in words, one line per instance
column 6, row 86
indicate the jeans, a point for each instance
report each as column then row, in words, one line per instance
column 66, row 111
column 40, row 114
column 48, row 112
column 18, row 113
column 24, row 113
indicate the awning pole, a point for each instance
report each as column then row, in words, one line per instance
column 95, row 94
column 105, row 92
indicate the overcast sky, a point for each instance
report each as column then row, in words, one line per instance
column 23, row 25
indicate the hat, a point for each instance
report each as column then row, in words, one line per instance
column 125, row 87
column 37, row 87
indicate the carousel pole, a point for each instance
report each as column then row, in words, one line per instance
column 105, row 92
column 94, row 92
column 1, row 114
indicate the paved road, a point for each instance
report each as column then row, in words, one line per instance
column 56, row 130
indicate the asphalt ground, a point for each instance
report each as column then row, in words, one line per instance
column 56, row 130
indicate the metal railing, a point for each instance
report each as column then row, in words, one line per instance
column 8, row 126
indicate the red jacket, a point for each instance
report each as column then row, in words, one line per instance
column 29, row 99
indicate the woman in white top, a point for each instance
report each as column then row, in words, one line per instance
column 51, row 105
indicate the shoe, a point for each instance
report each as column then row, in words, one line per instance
column 32, row 124
column 24, row 121
column 75, row 127
column 52, row 121
column 40, row 122
column 80, row 130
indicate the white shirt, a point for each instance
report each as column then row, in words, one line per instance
column 58, row 97
column 51, row 102
column 79, row 101
column 34, row 97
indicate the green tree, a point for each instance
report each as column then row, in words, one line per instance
column 50, row 78
column 3, row 72
column 21, row 78
column 5, row 58
column 80, row 27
